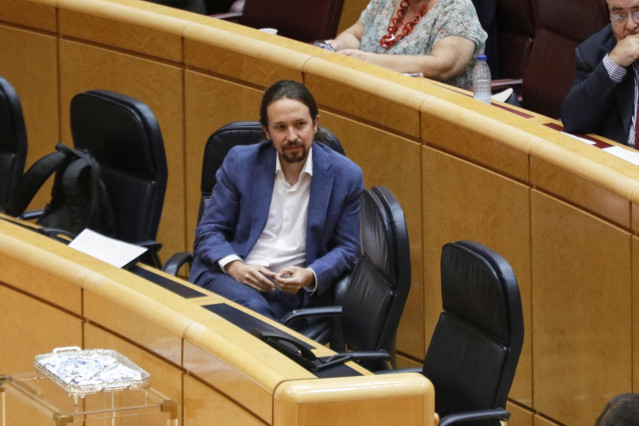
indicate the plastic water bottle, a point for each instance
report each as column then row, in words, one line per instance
column 481, row 80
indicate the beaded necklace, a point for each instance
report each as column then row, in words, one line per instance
column 388, row 40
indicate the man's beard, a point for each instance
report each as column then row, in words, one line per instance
column 295, row 157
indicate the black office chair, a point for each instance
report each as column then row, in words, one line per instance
column 13, row 141
column 304, row 21
column 378, row 286
column 473, row 354
column 125, row 138
column 216, row 148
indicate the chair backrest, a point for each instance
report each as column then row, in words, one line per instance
column 124, row 137
column 486, row 12
column 380, row 282
column 550, row 70
column 13, row 141
column 300, row 20
column 240, row 133
column 218, row 6
column 516, row 31
column 473, row 354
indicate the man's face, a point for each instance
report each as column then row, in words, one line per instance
column 621, row 18
column 291, row 128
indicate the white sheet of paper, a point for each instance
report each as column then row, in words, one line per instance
column 624, row 154
column 589, row 142
column 503, row 95
column 117, row 253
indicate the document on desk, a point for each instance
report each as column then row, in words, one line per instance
column 584, row 140
column 118, row 253
column 624, row 154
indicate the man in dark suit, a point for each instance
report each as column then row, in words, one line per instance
column 283, row 221
column 603, row 97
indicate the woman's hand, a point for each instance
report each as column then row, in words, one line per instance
column 358, row 54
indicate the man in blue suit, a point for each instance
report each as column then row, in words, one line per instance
column 284, row 217
column 603, row 97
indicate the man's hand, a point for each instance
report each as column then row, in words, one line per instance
column 254, row 276
column 626, row 51
column 292, row 278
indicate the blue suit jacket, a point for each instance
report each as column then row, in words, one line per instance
column 237, row 212
column 595, row 104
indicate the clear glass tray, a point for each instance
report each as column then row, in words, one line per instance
column 83, row 372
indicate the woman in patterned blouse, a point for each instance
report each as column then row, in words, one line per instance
column 439, row 39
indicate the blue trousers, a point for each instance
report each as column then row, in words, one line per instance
column 273, row 304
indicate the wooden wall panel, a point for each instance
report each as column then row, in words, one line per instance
column 476, row 137
column 36, row 328
column 519, row 416
column 207, row 109
column 399, row 172
column 31, row 262
column 581, row 311
column 165, row 378
column 350, row 13
column 542, row 421
column 239, row 57
column 160, row 86
column 41, row 15
column 635, row 314
column 203, row 405
column 229, row 383
column 33, row 72
column 579, row 189
column 122, row 27
column 463, row 201
column 366, row 97
column 133, row 326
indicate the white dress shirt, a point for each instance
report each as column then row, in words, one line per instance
column 617, row 73
column 283, row 240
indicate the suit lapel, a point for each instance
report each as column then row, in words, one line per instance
column 625, row 95
column 319, row 198
column 262, row 192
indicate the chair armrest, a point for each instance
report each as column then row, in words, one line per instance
column 31, row 214
column 61, row 235
column 176, row 261
column 151, row 245
column 320, row 311
column 505, row 83
column 365, row 358
column 381, row 355
column 496, row 413
column 151, row 257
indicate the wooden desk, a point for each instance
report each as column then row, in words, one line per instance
column 53, row 296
